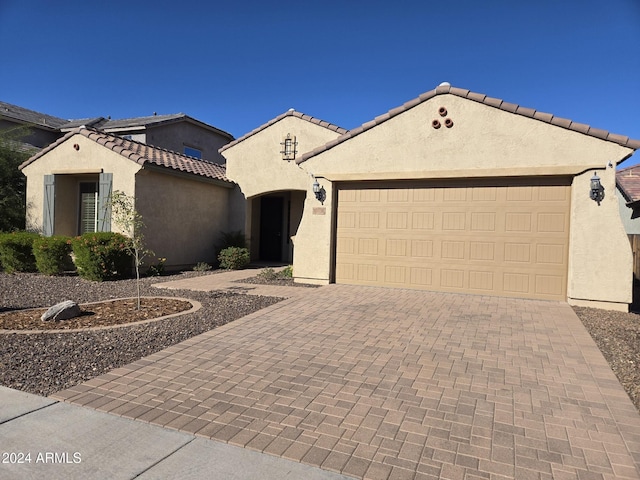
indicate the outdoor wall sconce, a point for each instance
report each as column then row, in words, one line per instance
column 597, row 190
column 319, row 191
column 289, row 147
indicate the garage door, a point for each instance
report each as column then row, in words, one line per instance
column 505, row 238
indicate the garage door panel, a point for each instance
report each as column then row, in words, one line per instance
column 490, row 239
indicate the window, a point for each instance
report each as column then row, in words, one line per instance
column 192, row 152
column 88, row 207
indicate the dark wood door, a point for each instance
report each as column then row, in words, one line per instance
column 271, row 228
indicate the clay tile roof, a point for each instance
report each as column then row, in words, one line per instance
column 290, row 113
column 484, row 99
column 30, row 116
column 143, row 154
column 628, row 180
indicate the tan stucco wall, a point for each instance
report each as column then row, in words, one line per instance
column 600, row 257
column 256, row 165
column 65, row 161
column 483, row 142
column 183, row 217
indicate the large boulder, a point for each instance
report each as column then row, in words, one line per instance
column 62, row 311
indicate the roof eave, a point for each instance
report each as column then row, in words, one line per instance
column 282, row 116
column 485, row 100
column 193, row 176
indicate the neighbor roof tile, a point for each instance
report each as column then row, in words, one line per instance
column 143, row 154
column 628, row 180
column 31, row 116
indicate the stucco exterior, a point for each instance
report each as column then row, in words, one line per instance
column 600, row 257
column 479, row 140
column 178, row 135
column 256, row 165
column 184, row 213
column 181, row 211
column 70, row 166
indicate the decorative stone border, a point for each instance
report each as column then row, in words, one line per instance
column 195, row 306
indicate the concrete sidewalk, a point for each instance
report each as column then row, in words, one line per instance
column 231, row 282
column 43, row 438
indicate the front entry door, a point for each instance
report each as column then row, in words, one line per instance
column 271, row 228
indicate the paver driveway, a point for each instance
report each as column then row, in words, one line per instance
column 383, row 383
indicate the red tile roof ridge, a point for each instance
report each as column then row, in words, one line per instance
column 289, row 113
column 486, row 100
column 141, row 154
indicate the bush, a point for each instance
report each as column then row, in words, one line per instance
column 232, row 239
column 270, row 274
column 157, row 269
column 202, row 267
column 102, row 256
column 16, row 252
column 233, row 258
column 52, row 254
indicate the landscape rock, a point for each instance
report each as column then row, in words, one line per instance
column 62, row 311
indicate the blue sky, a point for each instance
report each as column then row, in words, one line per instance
column 236, row 65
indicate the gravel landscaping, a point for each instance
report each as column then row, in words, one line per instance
column 43, row 363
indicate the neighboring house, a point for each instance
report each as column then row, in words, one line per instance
column 628, row 192
column 453, row 191
column 177, row 132
column 185, row 203
column 40, row 129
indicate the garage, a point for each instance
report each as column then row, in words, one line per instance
column 506, row 237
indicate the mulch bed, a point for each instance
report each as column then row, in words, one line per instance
column 114, row 312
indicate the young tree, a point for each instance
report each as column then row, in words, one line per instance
column 126, row 217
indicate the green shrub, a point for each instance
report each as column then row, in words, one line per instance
column 268, row 274
column 16, row 252
column 52, row 254
column 233, row 258
column 235, row 238
column 232, row 239
column 102, row 256
column 157, row 269
column 202, row 267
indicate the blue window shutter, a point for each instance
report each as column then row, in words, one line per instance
column 104, row 194
column 49, row 201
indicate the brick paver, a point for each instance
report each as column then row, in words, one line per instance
column 388, row 384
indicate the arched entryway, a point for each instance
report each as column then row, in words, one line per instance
column 274, row 219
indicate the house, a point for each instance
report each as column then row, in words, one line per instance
column 453, row 191
column 185, row 202
column 628, row 193
column 40, row 129
column 176, row 132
